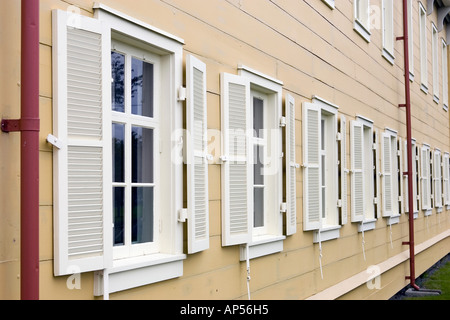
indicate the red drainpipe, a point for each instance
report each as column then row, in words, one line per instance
column 407, row 105
column 29, row 125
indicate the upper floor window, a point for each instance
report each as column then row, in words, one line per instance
column 362, row 18
column 388, row 30
column 423, row 48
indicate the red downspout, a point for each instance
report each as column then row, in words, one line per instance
column 28, row 125
column 30, row 151
column 405, row 39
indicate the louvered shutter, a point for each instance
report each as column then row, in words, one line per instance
column 82, row 176
column 416, row 175
column 445, row 178
column 387, row 175
column 425, row 178
column 437, row 179
column 291, row 167
column 399, row 176
column 344, row 171
column 405, row 176
column 237, row 194
column 197, row 148
column 357, row 178
column 312, row 194
column 376, row 165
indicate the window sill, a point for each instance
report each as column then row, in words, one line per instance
column 393, row 220
column 445, row 107
column 262, row 246
column 140, row 271
column 411, row 76
column 326, row 233
column 367, row 225
column 361, row 30
column 435, row 99
column 424, row 88
column 388, row 56
column 329, row 3
column 427, row 212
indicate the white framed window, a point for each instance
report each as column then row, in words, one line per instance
column 415, row 175
column 437, row 180
column 411, row 39
column 425, row 179
column 251, row 162
column 446, row 179
column 364, row 155
column 388, row 30
column 390, row 169
column 110, row 202
column 444, row 56
column 321, row 188
column 361, row 22
column 435, row 62
column 423, row 48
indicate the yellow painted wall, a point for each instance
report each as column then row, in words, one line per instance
column 314, row 51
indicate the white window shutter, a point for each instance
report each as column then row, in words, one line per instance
column 437, row 178
column 445, row 178
column 312, row 203
column 416, row 176
column 405, row 177
column 376, row 173
column 399, row 176
column 291, row 168
column 82, row 176
column 357, row 177
column 425, row 178
column 344, row 171
column 386, row 167
column 237, row 194
column 197, row 149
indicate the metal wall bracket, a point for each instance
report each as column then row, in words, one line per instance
column 16, row 125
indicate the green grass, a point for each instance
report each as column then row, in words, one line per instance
column 438, row 280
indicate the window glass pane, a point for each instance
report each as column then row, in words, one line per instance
column 258, row 216
column 118, row 152
column 141, row 88
column 142, row 155
column 142, row 215
column 258, row 117
column 119, row 214
column 258, row 165
column 118, row 81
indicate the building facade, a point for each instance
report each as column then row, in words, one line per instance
column 229, row 149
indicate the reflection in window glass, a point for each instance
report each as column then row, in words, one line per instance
column 118, row 152
column 142, row 215
column 118, row 81
column 119, row 215
column 141, row 88
column 142, row 155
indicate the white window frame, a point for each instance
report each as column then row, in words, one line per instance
column 361, row 21
column 411, row 39
column 168, row 262
column 387, row 13
column 370, row 194
column 267, row 240
column 444, row 74
column 423, row 48
column 328, row 227
column 415, row 175
column 129, row 120
column 435, row 61
column 425, row 183
column 446, row 179
column 437, row 180
column 392, row 148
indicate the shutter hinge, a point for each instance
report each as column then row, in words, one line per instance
column 224, row 158
column 339, row 203
column 181, row 94
column 283, row 207
column 182, row 215
column 374, row 146
column 338, row 136
column 283, row 122
column 54, row 141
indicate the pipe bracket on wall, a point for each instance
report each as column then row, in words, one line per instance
column 19, row 125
